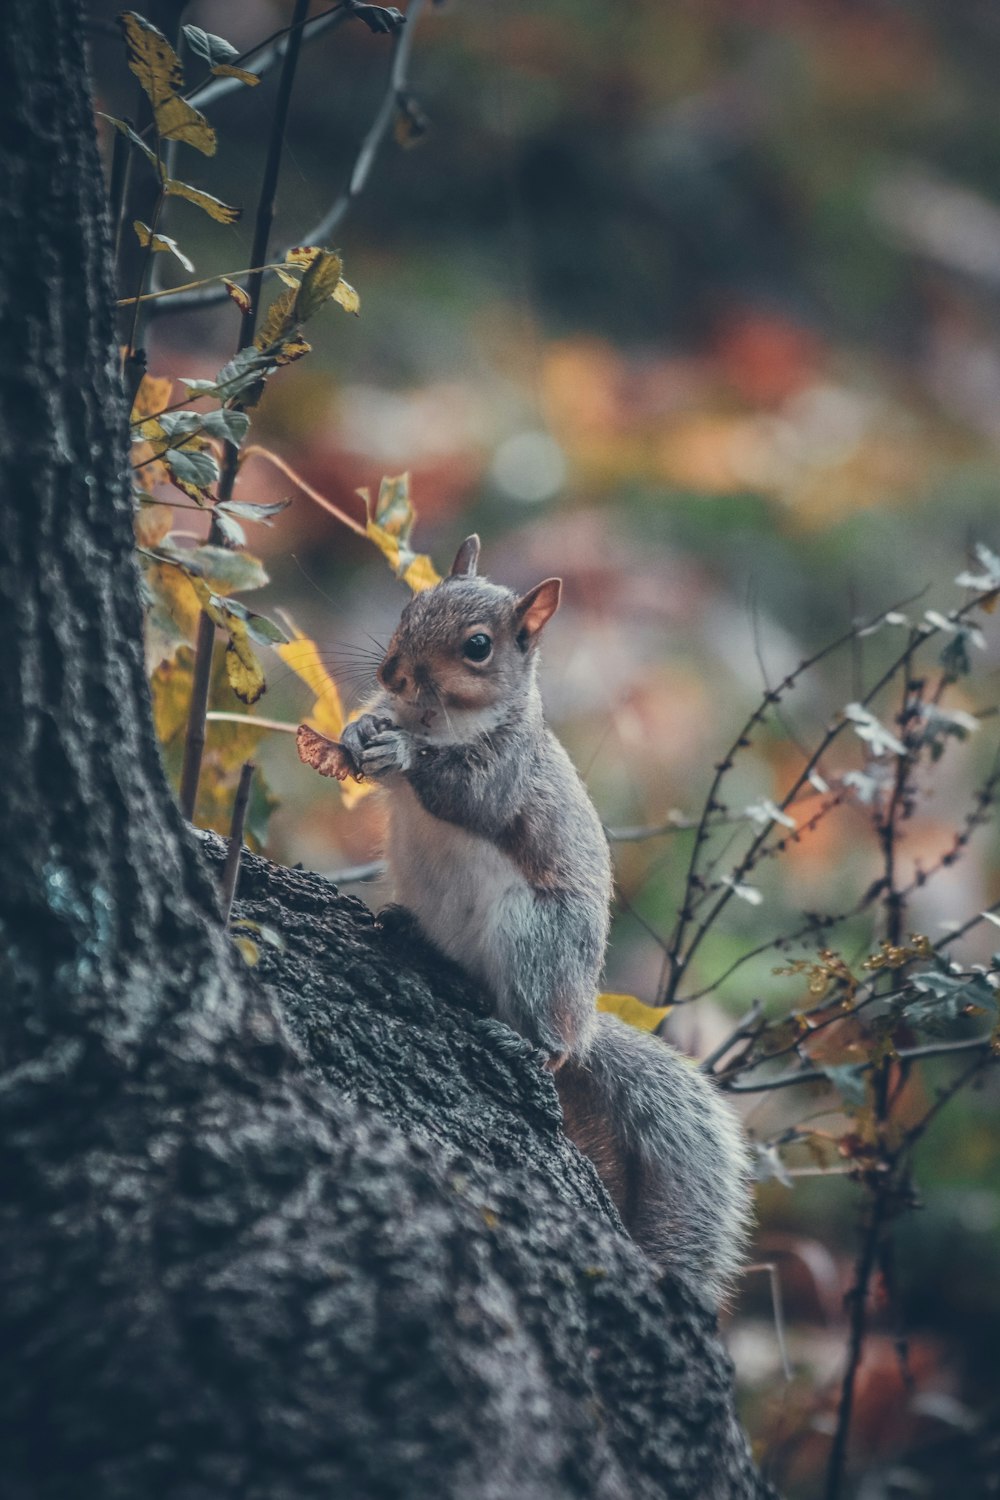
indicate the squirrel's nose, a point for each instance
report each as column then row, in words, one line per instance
column 391, row 677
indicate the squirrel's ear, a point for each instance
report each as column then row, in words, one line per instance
column 466, row 558
column 536, row 607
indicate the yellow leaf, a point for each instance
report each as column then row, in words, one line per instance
column 348, row 298
column 390, row 528
column 152, row 397
column 302, row 255
column 327, row 715
column 237, row 293
column 157, row 67
column 226, row 70
column 245, row 673
column 634, row 1012
column 223, row 213
column 303, row 656
column 247, row 948
column 170, row 686
column 152, row 523
column 421, row 574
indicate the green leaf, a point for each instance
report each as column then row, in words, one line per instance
column 223, row 213
column 232, row 426
column 224, row 571
column 161, row 242
column 242, row 378
column 214, row 49
column 260, row 629
column 157, row 67
column 190, row 469
column 250, row 510
column 947, row 997
column 231, row 529
column 849, row 1081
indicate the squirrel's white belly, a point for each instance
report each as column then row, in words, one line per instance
column 462, row 890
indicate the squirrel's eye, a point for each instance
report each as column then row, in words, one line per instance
column 477, row 647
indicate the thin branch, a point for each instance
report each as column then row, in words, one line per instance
column 271, row 51
column 194, row 743
column 219, row 716
column 231, row 869
column 677, row 965
column 396, row 88
column 816, row 1075
column 379, row 129
column 858, row 1300
column 676, row 822
column 306, row 488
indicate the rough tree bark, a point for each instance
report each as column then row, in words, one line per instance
column 312, row 1233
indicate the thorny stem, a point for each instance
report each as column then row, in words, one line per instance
column 194, row 743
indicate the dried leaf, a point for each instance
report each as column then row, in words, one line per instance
column 226, row 70
column 279, row 320
column 319, row 282
column 239, row 296
column 157, row 67
column 223, row 213
column 161, row 242
column 634, row 1012
column 291, row 350
column 326, row 756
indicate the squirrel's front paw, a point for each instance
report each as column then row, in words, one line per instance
column 377, row 746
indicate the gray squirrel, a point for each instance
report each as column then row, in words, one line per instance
column 496, row 850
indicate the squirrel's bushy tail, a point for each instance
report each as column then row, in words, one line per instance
column 668, row 1148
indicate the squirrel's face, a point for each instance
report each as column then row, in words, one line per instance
column 463, row 654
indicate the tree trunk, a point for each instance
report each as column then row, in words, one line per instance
column 310, row 1232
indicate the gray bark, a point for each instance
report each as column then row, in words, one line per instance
column 307, row 1231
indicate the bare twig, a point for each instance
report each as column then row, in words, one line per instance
column 231, row 869
column 675, row 963
column 679, row 960
column 747, row 1025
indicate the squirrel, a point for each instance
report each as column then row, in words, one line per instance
column 495, row 848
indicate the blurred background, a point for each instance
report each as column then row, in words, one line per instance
column 696, row 303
